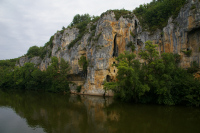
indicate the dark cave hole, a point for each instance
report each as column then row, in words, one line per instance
column 115, row 49
column 136, row 24
column 108, row 78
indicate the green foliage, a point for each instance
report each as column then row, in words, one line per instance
column 193, row 7
column 84, row 64
column 93, row 27
column 33, row 51
column 36, row 51
column 54, row 79
column 97, row 37
column 130, row 44
column 91, row 35
column 81, row 18
column 59, row 48
column 158, row 80
column 119, row 13
column 78, row 88
column 82, row 30
column 63, row 29
column 132, row 34
column 8, row 64
column 156, row 14
column 128, row 87
column 194, row 67
column 41, row 51
column 50, row 42
column 188, row 53
column 95, row 19
column 80, row 22
column 151, row 54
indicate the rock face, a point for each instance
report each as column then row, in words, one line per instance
column 111, row 37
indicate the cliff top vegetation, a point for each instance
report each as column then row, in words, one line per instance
column 155, row 14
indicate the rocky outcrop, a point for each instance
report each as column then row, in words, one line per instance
column 111, row 37
column 35, row 60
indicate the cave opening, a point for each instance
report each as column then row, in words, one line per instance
column 136, row 24
column 108, row 78
column 115, row 49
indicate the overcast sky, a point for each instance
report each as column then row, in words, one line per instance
column 25, row 23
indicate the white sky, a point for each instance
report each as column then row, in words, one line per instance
column 25, row 23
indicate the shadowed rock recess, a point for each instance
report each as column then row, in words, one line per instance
column 111, row 37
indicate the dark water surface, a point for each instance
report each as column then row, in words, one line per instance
column 36, row 112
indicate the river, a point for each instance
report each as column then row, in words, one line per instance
column 39, row 112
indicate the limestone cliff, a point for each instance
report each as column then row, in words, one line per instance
column 111, row 37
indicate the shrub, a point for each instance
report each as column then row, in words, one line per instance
column 119, row 13
column 50, row 42
column 194, row 67
column 78, row 88
column 33, row 51
column 131, row 44
column 156, row 14
column 80, row 22
column 132, row 34
column 188, row 53
column 91, row 35
column 93, row 27
column 192, row 7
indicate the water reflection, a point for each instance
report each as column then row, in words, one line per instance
column 51, row 113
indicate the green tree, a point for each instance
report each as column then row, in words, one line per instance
column 84, row 64
column 156, row 14
column 81, row 18
column 157, row 74
column 57, row 75
column 64, row 72
column 128, row 86
column 33, row 51
column 38, row 80
column 157, row 80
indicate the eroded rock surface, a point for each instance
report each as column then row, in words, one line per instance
column 112, row 38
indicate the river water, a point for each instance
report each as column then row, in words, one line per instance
column 38, row 112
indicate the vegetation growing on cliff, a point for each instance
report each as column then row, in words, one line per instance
column 81, row 22
column 158, row 80
column 84, row 64
column 8, row 64
column 119, row 13
column 156, row 14
column 29, row 77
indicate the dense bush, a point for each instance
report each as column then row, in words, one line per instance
column 5, row 64
column 54, row 79
column 81, row 18
column 50, row 42
column 194, row 67
column 33, row 51
column 158, row 80
column 156, row 14
column 36, row 51
column 41, row 51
